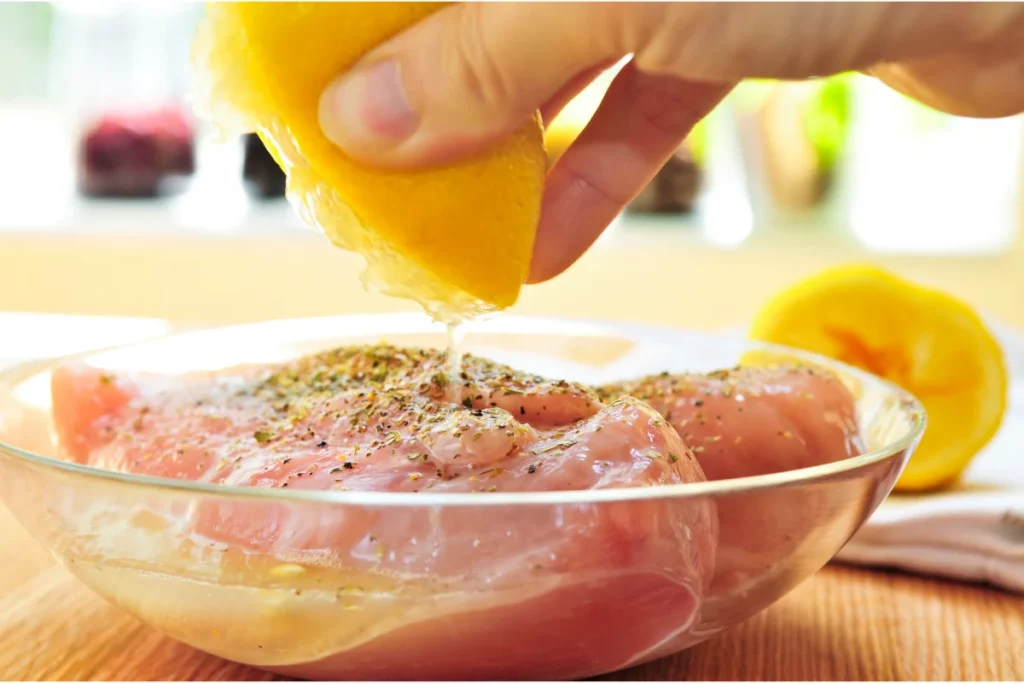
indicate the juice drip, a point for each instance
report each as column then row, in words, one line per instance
column 456, row 335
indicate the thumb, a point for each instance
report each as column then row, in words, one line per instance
column 464, row 77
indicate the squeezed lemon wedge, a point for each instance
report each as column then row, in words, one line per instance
column 457, row 239
column 929, row 343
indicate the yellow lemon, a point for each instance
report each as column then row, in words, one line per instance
column 457, row 239
column 924, row 340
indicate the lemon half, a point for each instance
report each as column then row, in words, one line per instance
column 928, row 342
column 458, row 239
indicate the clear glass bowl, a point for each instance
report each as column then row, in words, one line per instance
column 331, row 616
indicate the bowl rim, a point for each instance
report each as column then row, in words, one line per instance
column 382, row 499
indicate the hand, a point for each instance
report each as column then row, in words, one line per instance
column 471, row 73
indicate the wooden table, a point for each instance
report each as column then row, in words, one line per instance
column 842, row 624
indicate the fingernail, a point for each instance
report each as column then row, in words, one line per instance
column 367, row 107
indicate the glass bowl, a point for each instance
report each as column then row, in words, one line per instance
column 482, row 613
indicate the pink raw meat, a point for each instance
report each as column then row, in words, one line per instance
column 388, row 419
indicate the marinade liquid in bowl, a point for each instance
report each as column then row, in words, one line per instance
column 443, row 564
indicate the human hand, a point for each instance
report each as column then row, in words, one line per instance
column 471, row 73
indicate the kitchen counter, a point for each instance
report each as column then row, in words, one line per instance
column 654, row 274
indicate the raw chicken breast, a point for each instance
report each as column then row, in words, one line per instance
column 523, row 583
column 751, row 421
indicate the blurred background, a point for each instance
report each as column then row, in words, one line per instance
column 114, row 200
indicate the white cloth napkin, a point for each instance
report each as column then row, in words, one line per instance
column 973, row 532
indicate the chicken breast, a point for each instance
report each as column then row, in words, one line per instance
column 753, row 421
column 522, row 583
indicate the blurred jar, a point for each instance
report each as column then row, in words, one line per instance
column 677, row 185
column 793, row 138
column 920, row 181
column 119, row 74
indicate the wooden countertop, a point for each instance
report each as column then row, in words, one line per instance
column 842, row 624
column 646, row 276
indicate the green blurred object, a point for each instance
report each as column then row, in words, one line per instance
column 24, row 50
column 697, row 141
column 827, row 120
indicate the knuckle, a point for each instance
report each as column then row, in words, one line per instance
column 729, row 41
column 667, row 41
column 591, row 187
column 474, row 63
column 627, row 26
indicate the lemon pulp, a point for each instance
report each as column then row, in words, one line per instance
column 924, row 340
